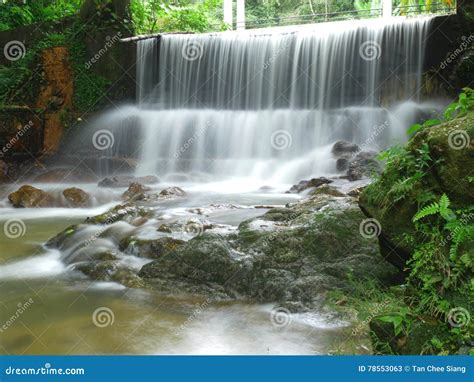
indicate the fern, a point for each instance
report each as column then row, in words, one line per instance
column 431, row 209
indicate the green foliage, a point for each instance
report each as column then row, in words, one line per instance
column 14, row 13
column 178, row 16
column 454, row 110
column 460, row 108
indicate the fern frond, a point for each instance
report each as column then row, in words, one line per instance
column 431, row 209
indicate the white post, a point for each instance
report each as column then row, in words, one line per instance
column 228, row 17
column 387, row 8
column 240, row 14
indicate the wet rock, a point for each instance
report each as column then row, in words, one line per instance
column 306, row 184
column 167, row 228
column 97, row 270
column 76, row 197
column 127, row 278
column 363, row 165
column 152, row 249
column 204, row 259
column 63, row 239
column 328, row 190
column 127, row 212
column 136, row 191
column 344, row 149
column 126, row 181
column 30, row 197
column 342, row 164
column 172, row 192
column 110, row 271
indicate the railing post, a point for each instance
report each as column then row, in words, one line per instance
column 386, row 8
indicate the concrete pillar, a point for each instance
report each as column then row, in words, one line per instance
column 228, row 17
column 240, row 14
column 387, row 8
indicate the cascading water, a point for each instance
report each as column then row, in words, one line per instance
column 270, row 105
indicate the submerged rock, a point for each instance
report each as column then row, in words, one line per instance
column 110, row 271
column 151, row 249
column 126, row 181
column 30, row 197
column 76, row 197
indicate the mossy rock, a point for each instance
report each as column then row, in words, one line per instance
column 123, row 212
column 152, row 249
column 451, row 149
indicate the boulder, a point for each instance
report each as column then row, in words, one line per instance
column 76, row 197
column 363, row 165
column 127, row 212
column 172, row 192
column 30, row 197
column 125, row 181
column 306, row 184
column 448, row 174
column 136, row 191
column 344, row 149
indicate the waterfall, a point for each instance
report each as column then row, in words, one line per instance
column 270, row 103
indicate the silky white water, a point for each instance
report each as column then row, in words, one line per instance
column 269, row 104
